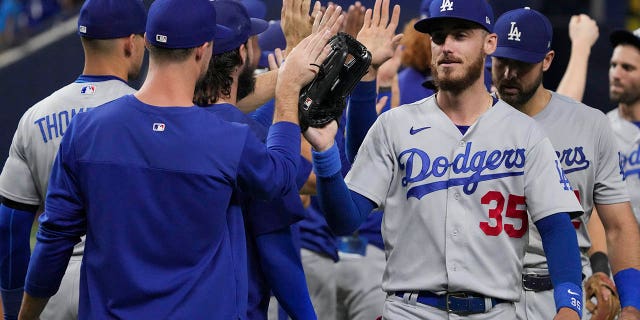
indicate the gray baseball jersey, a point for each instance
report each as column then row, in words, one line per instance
column 456, row 205
column 25, row 175
column 585, row 145
column 627, row 137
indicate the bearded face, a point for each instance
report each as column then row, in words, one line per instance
column 457, row 79
column 246, row 79
column 624, row 75
column 516, row 81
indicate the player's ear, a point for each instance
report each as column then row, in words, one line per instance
column 490, row 43
column 546, row 63
column 200, row 51
column 243, row 53
column 129, row 45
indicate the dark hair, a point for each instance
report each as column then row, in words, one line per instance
column 167, row 54
column 217, row 82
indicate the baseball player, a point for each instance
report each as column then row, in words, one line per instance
column 624, row 88
column 456, row 174
column 113, row 55
column 271, row 251
column 586, row 149
column 150, row 179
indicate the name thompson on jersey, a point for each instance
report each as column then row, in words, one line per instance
column 53, row 126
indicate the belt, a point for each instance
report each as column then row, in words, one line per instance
column 461, row 303
column 536, row 282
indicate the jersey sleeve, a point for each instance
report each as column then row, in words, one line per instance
column 269, row 172
column 268, row 216
column 374, row 156
column 547, row 190
column 61, row 225
column 16, row 180
column 609, row 188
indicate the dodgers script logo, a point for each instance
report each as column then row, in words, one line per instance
column 630, row 163
column 573, row 159
column 419, row 166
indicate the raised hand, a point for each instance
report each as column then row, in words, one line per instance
column 583, row 31
column 331, row 19
column 275, row 59
column 378, row 32
column 354, row 19
column 295, row 21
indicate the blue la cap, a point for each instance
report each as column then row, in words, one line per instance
column 110, row 19
column 235, row 17
column 255, row 8
column 178, row 24
column 625, row 37
column 269, row 40
column 477, row 11
column 524, row 35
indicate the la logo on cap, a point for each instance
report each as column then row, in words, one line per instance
column 514, row 34
column 446, row 5
column 161, row 38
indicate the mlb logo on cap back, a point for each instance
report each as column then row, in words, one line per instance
column 111, row 19
column 524, row 35
column 476, row 11
column 183, row 24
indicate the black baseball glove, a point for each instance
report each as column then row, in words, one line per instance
column 324, row 99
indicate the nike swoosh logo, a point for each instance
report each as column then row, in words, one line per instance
column 573, row 293
column 413, row 131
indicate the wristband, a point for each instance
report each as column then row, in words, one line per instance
column 326, row 163
column 568, row 295
column 600, row 263
column 384, row 90
column 628, row 282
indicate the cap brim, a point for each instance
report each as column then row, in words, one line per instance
column 428, row 24
column 623, row 36
column 518, row 54
column 258, row 26
column 223, row 32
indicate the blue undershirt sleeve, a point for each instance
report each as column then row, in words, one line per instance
column 271, row 172
column 278, row 256
column 264, row 114
column 344, row 210
column 361, row 114
column 560, row 245
column 15, row 231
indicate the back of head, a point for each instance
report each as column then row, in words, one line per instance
column 523, row 35
column 621, row 37
column 180, row 25
column 237, row 19
column 417, row 48
column 111, row 19
column 478, row 12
